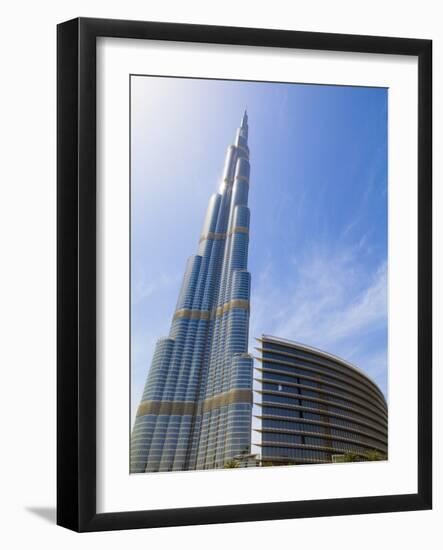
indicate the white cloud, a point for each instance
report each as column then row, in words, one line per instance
column 144, row 287
column 328, row 300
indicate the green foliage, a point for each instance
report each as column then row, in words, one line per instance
column 367, row 456
column 375, row 455
column 232, row 463
column 352, row 457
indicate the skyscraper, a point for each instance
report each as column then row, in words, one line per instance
column 196, row 407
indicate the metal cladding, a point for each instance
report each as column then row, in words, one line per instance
column 316, row 407
column 196, row 407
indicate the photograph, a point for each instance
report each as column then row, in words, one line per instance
column 222, row 275
column 244, row 274
column 258, row 274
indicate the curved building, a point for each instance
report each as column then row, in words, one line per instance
column 316, row 407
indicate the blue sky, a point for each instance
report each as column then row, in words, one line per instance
column 318, row 200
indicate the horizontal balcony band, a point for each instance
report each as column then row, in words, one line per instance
column 359, row 394
column 166, row 408
column 227, row 398
column 361, row 382
column 337, row 438
column 194, row 314
column 241, row 178
column 318, row 357
column 321, row 424
column 191, row 407
column 322, row 412
column 221, row 236
column 309, row 447
column 373, row 418
column 206, row 315
column 374, row 409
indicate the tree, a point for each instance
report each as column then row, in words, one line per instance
column 352, row 457
column 367, row 456
column 375, row 455
column 232, row 463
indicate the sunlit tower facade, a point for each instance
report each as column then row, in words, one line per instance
column 196, row 408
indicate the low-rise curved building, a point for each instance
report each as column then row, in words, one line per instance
column 316, row 407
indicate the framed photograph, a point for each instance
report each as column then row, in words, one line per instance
column 244, row 274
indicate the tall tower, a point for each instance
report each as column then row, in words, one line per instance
column 196, row 407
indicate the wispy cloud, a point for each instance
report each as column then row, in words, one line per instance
column 145, row 287
column 328, row 300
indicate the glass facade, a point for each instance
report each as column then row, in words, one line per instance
column 316, row 406
column 196, row 407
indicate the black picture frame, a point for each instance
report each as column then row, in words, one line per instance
column 76, row 273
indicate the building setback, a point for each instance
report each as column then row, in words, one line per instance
column 316, row 407
column 196, row 408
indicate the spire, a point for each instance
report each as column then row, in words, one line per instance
column 244, row 120
column 242, row 132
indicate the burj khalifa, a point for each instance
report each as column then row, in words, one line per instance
column 196, row 408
